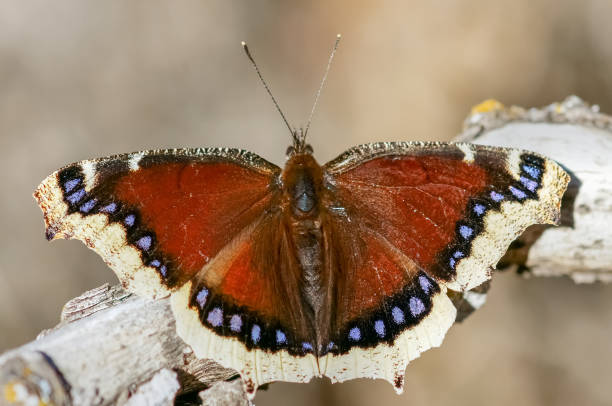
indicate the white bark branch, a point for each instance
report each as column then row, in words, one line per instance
column 112, row 348
column 579, row 137
column 107, row 350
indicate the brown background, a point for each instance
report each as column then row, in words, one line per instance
column 86, row 79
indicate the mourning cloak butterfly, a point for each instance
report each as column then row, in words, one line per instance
column 340, row 270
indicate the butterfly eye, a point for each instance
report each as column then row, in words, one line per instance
column 290, row 151
column 308, row 149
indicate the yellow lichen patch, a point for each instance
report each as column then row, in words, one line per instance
column 10, row 395
column 16, row 393
column 487, row 106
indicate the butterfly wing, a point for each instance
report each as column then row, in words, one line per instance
column 199, row 224
column 248, row 298
column 386, row 310
column 409, row 221
column 157, row 217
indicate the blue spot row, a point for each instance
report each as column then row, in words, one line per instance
column 416, row 307
column 226, row 319
column 529, row 179
column 525, row 188
column 215, row 319
column 404, row 310
column 77, row 197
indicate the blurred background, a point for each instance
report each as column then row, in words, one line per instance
column 86, row 79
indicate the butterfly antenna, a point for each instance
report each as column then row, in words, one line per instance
column 329, row 62
column 248, row 54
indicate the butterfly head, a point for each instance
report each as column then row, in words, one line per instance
column 299, row 146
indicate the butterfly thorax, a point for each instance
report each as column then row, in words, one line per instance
column 302, row 179
column 302, row 193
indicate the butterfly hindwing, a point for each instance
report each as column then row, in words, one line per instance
column 248, row 299
column 386, row 310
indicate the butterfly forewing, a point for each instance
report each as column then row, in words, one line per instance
column 171, row 209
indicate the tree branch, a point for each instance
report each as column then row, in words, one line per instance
column 109, row 348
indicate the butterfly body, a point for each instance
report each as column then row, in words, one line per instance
column 339, row 270
column 306, row 216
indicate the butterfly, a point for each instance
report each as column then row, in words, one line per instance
column 340, row 270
